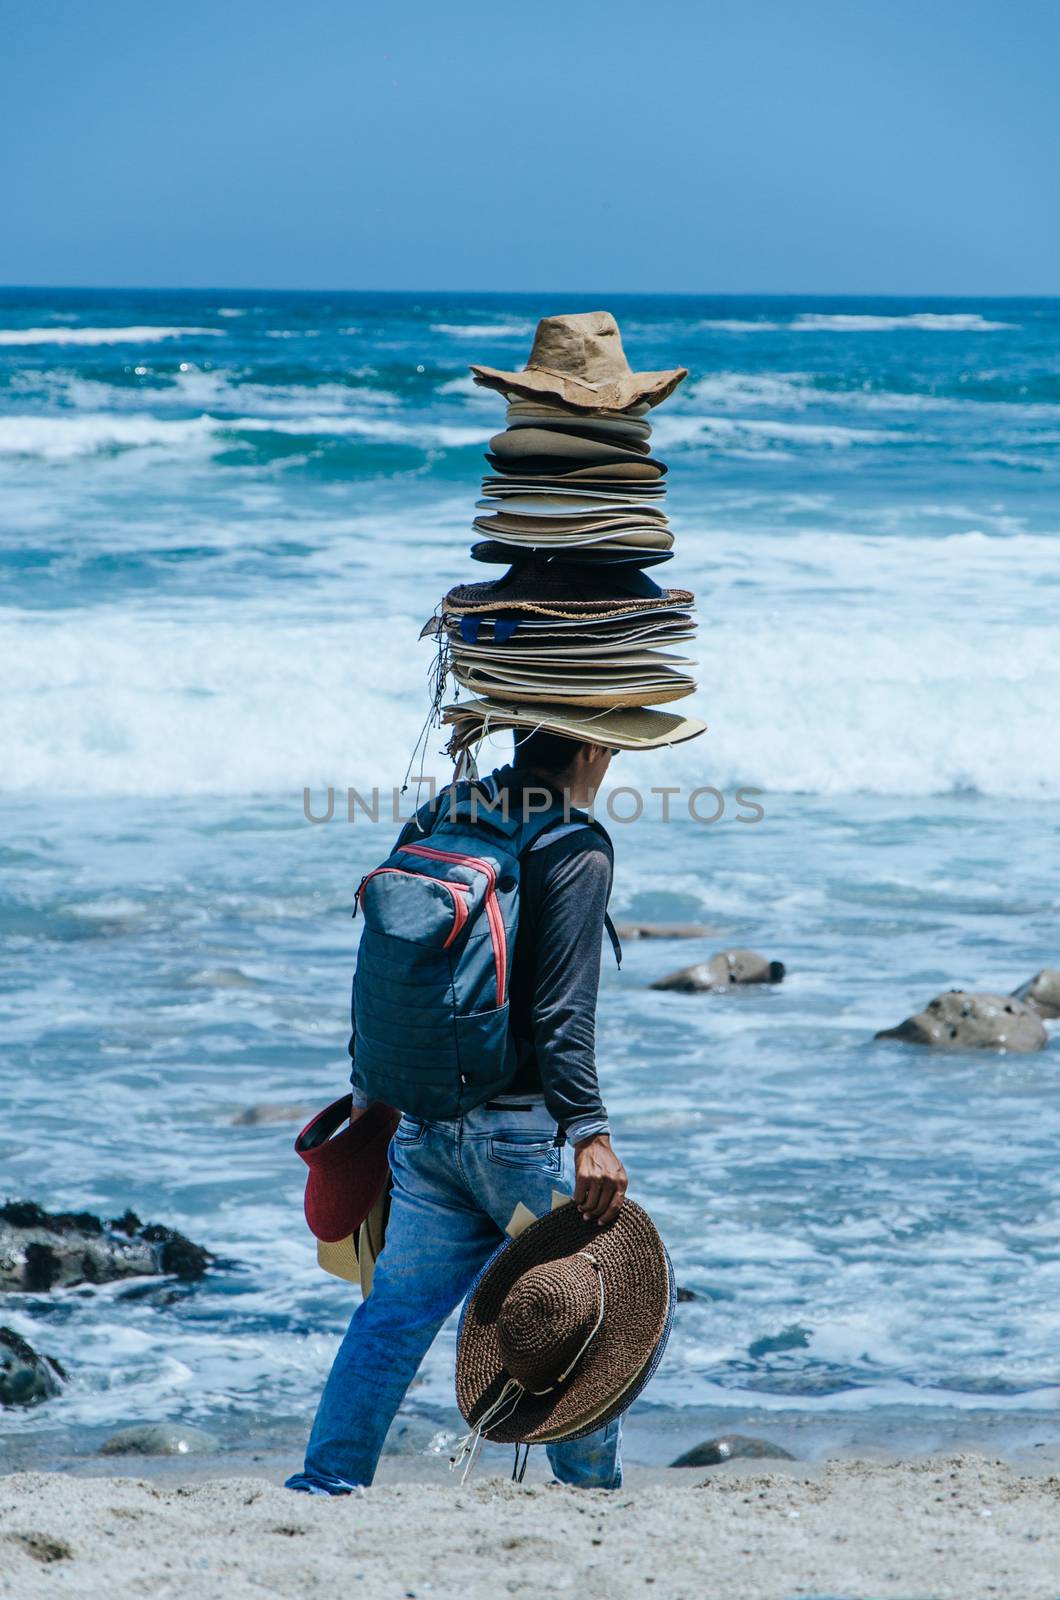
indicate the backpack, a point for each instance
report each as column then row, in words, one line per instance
column 430, row 990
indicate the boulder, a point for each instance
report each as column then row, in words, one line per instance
column 159, row 1439
column 1042, row 992
column 25, row 1375
column 731, row 1447
column 41, row 1250
column 960, row 1021
column 664, row 930
column 722, row 972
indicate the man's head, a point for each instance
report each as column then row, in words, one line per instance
column 572, row 766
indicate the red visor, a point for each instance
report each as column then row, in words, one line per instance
column 347, row 1168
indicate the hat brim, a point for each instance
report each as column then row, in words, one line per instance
column 557, row 446
column 495, row 553
column 527, row 591
column 577, row 510
column 639, row 1297
column 615, row 394
column 642, row 470
column 625, row 729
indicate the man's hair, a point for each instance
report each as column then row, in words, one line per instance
column 541, row 751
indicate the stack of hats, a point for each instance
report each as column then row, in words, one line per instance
column 575, row 637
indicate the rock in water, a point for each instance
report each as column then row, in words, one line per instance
column 1042, row 992
column 732, row 1447
column 664, row 930
column 41, row 1250
column 960, row 1021
column 26, row 1376
column 268, row 1111
column 159, row 1439
column 722, row 972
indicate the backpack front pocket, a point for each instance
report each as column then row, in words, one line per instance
column 414, row 907
column 494, row 914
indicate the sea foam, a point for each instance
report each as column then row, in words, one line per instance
column 64, row 438
column 92, row 336
column 484, row 330
column 232, row 700
column 927, row 321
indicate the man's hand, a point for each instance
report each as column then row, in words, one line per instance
column 600, row 1180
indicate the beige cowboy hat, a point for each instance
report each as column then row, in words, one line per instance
column 579, row 361
column 627, row 729
column 564, row 1327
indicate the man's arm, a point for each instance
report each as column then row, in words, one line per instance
column 570, row 924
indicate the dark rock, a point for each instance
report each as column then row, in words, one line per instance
column 159, row 1439
column 26, row 1376
column 664, row 930
column 960, row 1021
column 1042, row 992
column 42, row 1250
column 684, row 1295
column 722, row 972
column 41, row 1547
column 732, row 1447
column 254, row 1116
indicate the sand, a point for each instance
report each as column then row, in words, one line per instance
column 960, row 1527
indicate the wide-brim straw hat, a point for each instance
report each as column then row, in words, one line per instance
column 564, row 1327
column 543, row 589
column 645, row 471
column 575, row 512
column 612, row 429
column 539, row 444
column 592, row 650
column 525, row 413
column 519, row 529
column 567, row 690
column 575, row 489
column 494, row 552
column 627, row 729
column 562, row 635
column 578, row 360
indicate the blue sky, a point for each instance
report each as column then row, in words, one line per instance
column 685, row 145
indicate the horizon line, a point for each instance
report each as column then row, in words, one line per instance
column 615, row 294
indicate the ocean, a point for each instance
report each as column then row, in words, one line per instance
column 225, row 518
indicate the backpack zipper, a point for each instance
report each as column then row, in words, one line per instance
column 494, row 915
column 457, row 890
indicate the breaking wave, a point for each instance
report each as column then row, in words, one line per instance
column 94, row 336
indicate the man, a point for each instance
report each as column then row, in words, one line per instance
column 456, row 1183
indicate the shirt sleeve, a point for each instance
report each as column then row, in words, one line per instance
column 575, row 885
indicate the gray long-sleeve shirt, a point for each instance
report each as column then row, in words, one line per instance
column 563, row 898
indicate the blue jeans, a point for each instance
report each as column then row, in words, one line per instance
column 456, row 1184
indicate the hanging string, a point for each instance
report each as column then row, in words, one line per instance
column 513, row 1391
column 436, row 678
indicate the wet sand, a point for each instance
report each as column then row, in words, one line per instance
column 945, row 1528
